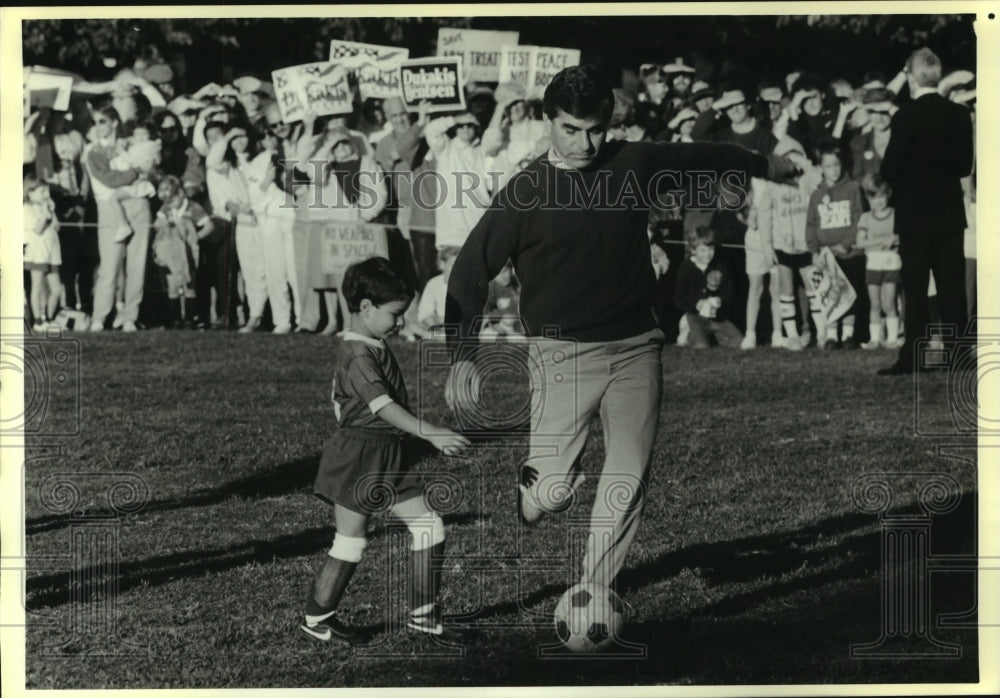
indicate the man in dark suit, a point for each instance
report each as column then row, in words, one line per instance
column 929, row 152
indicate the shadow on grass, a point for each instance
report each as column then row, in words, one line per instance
column 288, row 478
column 44, row 591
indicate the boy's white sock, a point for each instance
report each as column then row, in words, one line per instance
column 892, row 329
column 847, row 330
column 875, row 330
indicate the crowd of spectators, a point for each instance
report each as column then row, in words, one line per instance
column 145, row 208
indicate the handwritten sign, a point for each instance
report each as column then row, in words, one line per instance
column 548, row 62
column 376, row 67
column 321, row 87
column 479, row 50
column 533, row 67
column 437, row 80
column 335, row 245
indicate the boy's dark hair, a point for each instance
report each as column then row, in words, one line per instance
column 873, row 185
column 702, row 235
column 829, row 148
column 580, row 91
column 375, row 280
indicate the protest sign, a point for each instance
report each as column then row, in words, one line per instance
column 321, row 87
column 49, row 90
column 828, row 281
column 478, row 49
column 549, row 61
column 533, row 67
column 437, row 80
column 335, row 244
column 516, row 63
column 376, row 67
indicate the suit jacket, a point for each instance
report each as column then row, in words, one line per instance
column 929, row 152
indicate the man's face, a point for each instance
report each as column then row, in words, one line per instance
column 398, row 118
column 681, row 82
column 576, row 141
column 703, row 254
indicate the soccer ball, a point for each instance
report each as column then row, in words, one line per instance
column 589, row 617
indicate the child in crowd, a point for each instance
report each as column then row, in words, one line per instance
column 180, row 224
column 705, row 293
column 374, row 450
column 42, row 254
column 503, row 319
column 882, row 262
column 760, row 262
column 141, row 151
column 430, row 312
column 832, row 221
column 781, row 211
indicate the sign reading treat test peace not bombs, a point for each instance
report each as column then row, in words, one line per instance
column 437, row 80
column 479, row 50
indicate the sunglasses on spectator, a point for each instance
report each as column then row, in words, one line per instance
column 465, row 124
column 102, row 120
column 340, row 143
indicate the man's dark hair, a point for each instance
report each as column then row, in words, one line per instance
column 375, row 280
column 580, row 91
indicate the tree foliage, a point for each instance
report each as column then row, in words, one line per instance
column 216, row 49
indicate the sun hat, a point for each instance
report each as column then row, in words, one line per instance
column 729, row 98
column 771, row 94
column 701, row 89
column 678, row 66
column 682, row 116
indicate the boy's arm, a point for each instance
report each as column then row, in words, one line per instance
column 436, row 133
column 443, row 439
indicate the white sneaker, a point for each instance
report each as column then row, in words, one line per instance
column 118, row 322
column 282, row 329
column 777, row 340
column 129, row 326
column 805, row 338
column 96, row 326
column 792, row 344
column 250, row 326
column 874, row 344
column 749, row 342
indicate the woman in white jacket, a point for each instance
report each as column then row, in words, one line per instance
column 351, row 189
column 259, row 245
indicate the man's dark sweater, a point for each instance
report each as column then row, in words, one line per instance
column 578, row 238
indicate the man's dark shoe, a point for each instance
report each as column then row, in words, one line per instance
column 332, row 629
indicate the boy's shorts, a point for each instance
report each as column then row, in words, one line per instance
column 368, row 471
column 794, row 260
column 877, row 277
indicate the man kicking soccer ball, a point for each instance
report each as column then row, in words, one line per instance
column 574, row 224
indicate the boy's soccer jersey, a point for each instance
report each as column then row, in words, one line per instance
column 872, row 229
column 367, row 379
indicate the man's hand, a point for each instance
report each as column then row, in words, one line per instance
column 462, row 390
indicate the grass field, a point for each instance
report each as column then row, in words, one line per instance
column 753, row 563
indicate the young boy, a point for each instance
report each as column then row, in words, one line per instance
column 832, row 221
column 373, row 450
column 882, row 262
column 705, row 293
column 180, row 224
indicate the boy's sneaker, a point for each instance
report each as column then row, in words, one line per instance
column 850, row 344
column 432, row 625
column 872, row 345
column 793, row 343
column 778, row 340
column 749, row 342
column 330, row 629
column 831, row 344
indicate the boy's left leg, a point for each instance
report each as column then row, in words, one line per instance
column 136, row 253
column 426, row 566
column 630, row 415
